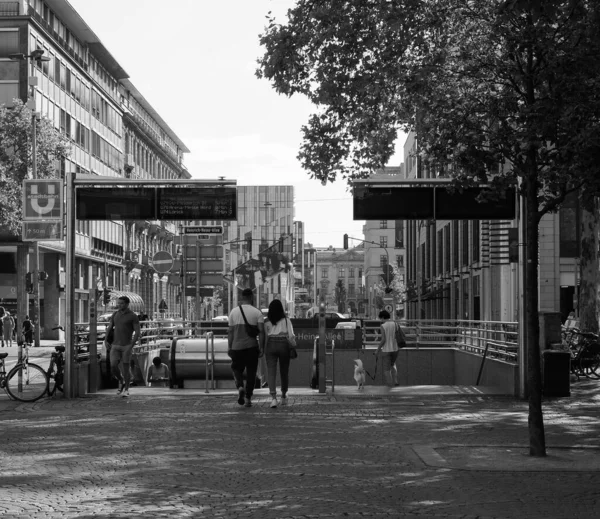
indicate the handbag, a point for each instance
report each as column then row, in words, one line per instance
column 291, row 343
column 251, row 329
column 400, row 337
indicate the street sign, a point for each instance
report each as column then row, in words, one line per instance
column 43, row 231
column 204, row 229
column 162, row 262
column 389, row 309
column 42, row 199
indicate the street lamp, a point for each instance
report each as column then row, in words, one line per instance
column 36, row 55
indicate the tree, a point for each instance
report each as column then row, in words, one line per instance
column 339, row 296
column 503, row 92
column 16, row 158
column 397, row 287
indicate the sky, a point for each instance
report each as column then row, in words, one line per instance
column 194, row 61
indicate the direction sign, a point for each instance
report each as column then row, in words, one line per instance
column 204, row 229
column 42, row 199
column 43, row 231
column 162, row 262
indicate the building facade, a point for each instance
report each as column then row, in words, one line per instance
column 114, row 132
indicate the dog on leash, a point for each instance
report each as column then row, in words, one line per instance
column 359, row 374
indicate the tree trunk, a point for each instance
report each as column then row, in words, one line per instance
column 537, row 440
column 588, row 290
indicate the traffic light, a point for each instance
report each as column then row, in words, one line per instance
column 42, row 276
column 346, row 241
column 29, row 282
column 106, row 297
column 249, row 246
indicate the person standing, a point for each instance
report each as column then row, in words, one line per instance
column 123, row 325
column 389, row 347
column 28, row 331
column 246, row 339
column 8, row 324
column 279, row 331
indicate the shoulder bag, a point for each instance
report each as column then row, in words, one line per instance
column 291, row 342
column 400, row 337
column 251, row 329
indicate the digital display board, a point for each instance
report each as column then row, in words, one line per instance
column 156, row 203
column 393, row 203
column 424, row 203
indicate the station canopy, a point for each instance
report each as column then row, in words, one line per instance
column 136, row 303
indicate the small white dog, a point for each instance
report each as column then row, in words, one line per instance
column 359, row 374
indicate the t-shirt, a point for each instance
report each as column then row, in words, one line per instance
column 161, row 372
column 124, row 322
column 390, row 337
column 238, row 338
column 282, row 327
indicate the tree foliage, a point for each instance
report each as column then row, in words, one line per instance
column 499, row 91
column 16, row 157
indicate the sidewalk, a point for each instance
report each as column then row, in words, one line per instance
column 427, row 451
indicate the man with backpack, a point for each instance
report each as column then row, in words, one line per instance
column 392, row 339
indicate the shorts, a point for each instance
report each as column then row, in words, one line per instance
column 120, row 354
column 389, row 359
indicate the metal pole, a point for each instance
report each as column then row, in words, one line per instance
column 321, row 349
column 198, row 298
column 36, row 249
column 183, row 279
column 70, row 288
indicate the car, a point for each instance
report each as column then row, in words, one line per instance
column 347, row 325
column 220, row 319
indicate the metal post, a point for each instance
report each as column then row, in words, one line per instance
column 36, row 249
column 198, row 298
column 183, row 279
column 321, row 349
column 522, row 346
column 70, row 288
column 93, row 343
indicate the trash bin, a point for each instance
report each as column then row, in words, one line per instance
column 556, row 373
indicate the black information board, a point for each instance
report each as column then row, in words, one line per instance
column 156, row 203
column 423, row 203
column 197, row 203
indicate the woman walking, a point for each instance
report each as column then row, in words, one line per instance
column 279, row 331
column 8, row 324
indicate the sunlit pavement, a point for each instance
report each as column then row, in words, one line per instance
column 429, row 451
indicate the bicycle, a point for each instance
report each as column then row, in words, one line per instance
column 26, row 382
column 585, row 353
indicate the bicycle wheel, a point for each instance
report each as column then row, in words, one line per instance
column 34, row 382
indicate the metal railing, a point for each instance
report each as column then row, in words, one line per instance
column 500, row 338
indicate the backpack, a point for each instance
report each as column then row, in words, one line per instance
column 400, row 337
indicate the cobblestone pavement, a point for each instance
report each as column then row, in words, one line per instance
column 397, row 455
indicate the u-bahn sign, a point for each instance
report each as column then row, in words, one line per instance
column 42, row 199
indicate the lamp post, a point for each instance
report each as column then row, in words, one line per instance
column 36, row 55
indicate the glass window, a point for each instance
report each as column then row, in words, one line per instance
column 8, row 92
column 341, row 272
column 383, row 260
column 383, row 224
column 383, row 241
column 351, row 272
column 9, row 70
column 325, row 272
column 9, row 43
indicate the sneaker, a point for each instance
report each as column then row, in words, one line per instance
column 241, row 395
column 248, row 402
column 125, row 393
column 274, row 402
column 120, row 390
column 284, row 400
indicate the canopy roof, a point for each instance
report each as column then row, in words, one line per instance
column 136, row 303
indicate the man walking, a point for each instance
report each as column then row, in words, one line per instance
column 123, row 324
column 246, row 341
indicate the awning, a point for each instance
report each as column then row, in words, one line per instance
column 437, row 293
column 136, row 303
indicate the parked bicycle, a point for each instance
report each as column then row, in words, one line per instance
column 25, row 381
column 585, row 353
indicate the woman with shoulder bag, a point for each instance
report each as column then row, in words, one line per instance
column 280, row 347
